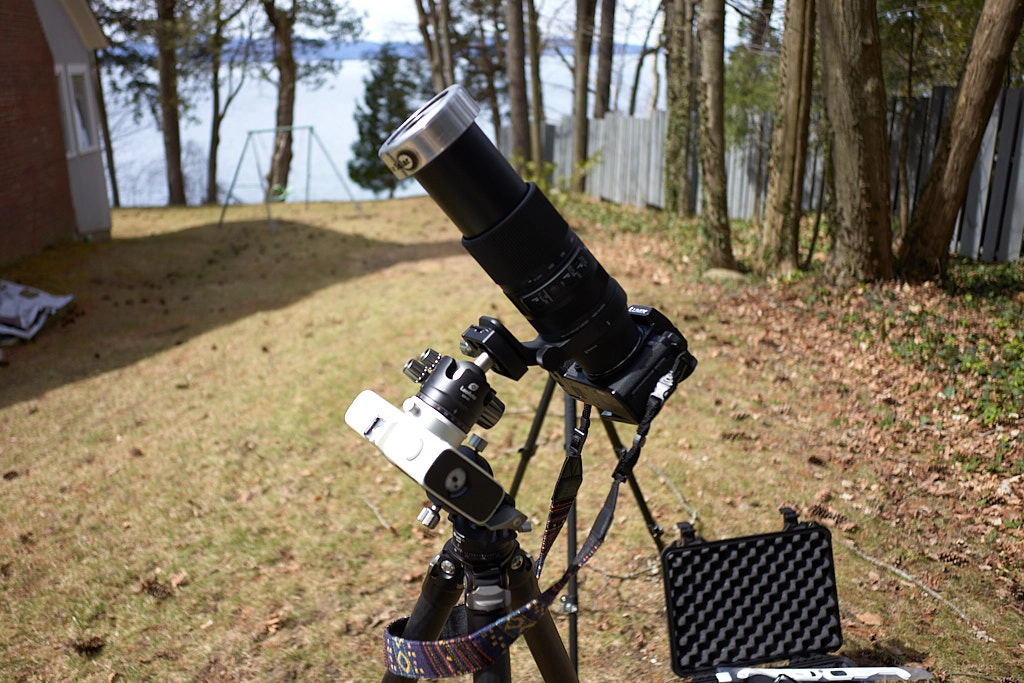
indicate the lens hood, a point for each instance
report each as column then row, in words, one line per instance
column 429, row 131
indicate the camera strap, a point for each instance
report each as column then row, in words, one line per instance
column 471, row 652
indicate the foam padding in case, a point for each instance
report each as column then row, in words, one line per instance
column 751, row 600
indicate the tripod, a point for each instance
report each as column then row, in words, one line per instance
column 497, row 576
column 570, row 601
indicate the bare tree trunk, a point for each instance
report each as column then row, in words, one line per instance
column 219, row 105
column 715, row 221
column 925, row 252
column 444, row 39
column 678, row 150
column 537, row 120
column 429, row 32
column 645, row 51
column 216, row 118
column 582, row 43
column 901, row 171
column 777, row 254
column 851, row 58
column 487, row 68
column 515, row 68
column 284, row 58
column 605, row 52
column 167, row 65
column 761, row 22
column 108, row 148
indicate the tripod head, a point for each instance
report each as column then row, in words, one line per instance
column 428, row 439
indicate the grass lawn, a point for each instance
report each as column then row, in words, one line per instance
column 182, row 500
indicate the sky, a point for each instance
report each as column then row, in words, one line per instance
column 395, row 20
column 388, row 20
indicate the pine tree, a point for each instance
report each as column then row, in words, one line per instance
column 394, row 83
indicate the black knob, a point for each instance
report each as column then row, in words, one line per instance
column 492, row 412
column 419, row 370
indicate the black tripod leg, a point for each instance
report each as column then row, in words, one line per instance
column 652, row 526
column 530, row 445
column 442, row 588
column 485, row 605
column 571, row 600
column 543, row 639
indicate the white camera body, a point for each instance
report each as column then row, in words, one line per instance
column 423, row 444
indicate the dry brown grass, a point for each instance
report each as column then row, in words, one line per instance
column 183, row 502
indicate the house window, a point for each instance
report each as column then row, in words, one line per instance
column 77, row 111
column 65, row 120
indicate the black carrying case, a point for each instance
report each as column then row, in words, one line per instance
column 751, row 600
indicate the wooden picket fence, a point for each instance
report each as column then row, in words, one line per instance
column 991, row 221
column 628, row 167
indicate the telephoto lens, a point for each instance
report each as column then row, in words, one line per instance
column 516, row 235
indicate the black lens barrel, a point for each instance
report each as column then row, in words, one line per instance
column 472, row 184
column 515, row 234
column 557, row 284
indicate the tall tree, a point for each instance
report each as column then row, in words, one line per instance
column 605, row 53
column 679, row 15
column 515, row 56
column 923, row 44
column 760, row 25
column 129, row 62
column 168, row 34
column 716, row 232
column 582, row 42
column 108, row 147
column 482, row 50
column 925, row 251
column 465, row 42
column 326, row 17
column 855, row 102
column 430, row 34
column 437, row 33
column 392, row 90
column 224, row 51
column 535, row 49
column 648, row 50
column 282, row 22
column 780, row 230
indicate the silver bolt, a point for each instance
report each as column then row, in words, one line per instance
column 429, row 517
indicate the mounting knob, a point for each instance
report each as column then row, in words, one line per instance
column 429, row 516
column 492, row 412
column 418, row 370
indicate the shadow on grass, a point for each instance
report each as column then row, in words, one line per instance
column 138, row 297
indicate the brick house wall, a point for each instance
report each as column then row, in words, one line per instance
column 35, row 194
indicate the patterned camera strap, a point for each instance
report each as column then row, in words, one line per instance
column 471, row 652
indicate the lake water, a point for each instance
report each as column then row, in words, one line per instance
column 330, row 110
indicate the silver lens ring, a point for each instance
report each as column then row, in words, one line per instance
column 429, row 131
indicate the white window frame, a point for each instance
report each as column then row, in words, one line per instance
column 70, row 146
column 78, row 117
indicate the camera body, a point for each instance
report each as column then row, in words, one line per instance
column 624, row 395
column 425, row 446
